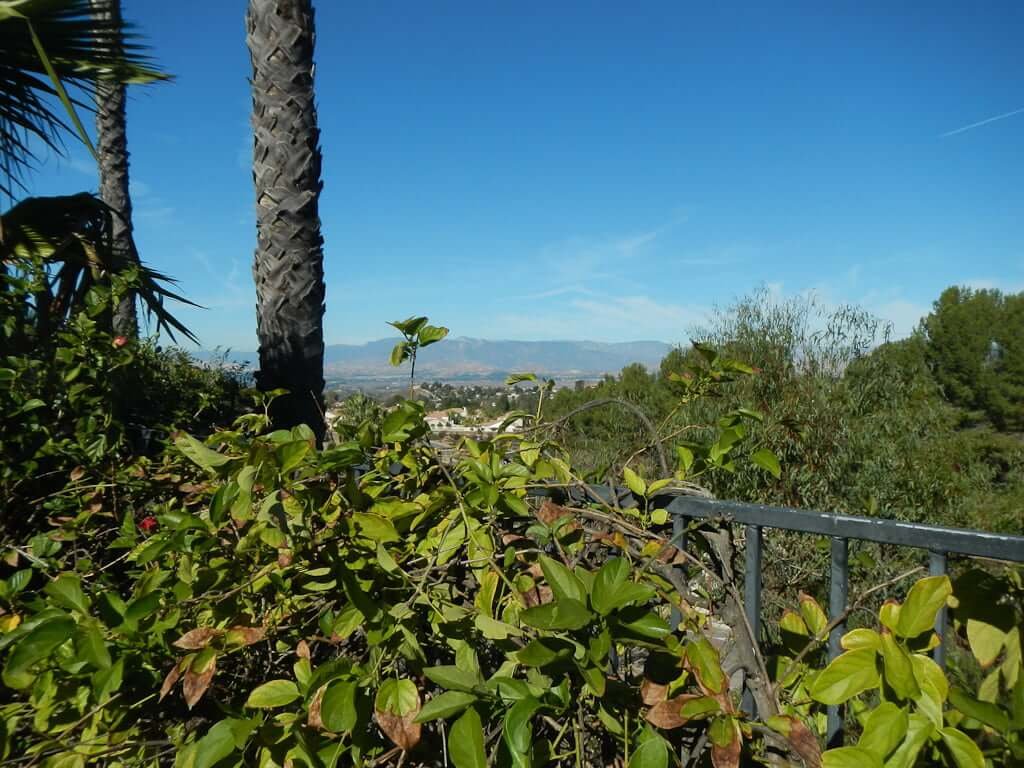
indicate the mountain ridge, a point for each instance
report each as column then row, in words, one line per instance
column 467, row 355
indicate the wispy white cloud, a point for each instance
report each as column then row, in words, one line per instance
column 602, row 317
column 980, row 123
column 553, row 292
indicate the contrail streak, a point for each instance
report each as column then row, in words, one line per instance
column 981, row 122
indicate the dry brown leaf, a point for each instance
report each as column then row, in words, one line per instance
column 538, row 596
column 669, row 554
column 170, row 680
column 665, row 714
column 197, row 639
column 313, row 719
column 302, row 649
column 652, row 693
column 550, row 513
column 804, row 743
column 244, row 636
column 284, row 557
column 77, row 474
column 400, row 728
column 728, row 756
column 196, row 683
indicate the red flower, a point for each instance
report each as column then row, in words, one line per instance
column 148, row 524
column 120, row 341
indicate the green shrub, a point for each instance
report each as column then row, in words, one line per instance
column 248, row 599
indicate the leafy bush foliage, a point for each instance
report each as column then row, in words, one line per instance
column 77, row 401
column 249, row 599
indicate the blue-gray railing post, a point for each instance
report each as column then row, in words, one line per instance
column 752, row 597
column 937, row 567
column 837, row 599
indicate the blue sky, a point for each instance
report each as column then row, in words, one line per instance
column 540, row 170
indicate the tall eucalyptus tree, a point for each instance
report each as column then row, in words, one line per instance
column 288, row 266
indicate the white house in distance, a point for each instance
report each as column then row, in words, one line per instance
column 452, row 417
column 453, row 421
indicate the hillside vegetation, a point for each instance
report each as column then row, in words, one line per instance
column 199, row 575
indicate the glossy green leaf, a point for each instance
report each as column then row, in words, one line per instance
column 275, row 693
column 768, row 461
column 814, row 617
column 919, row 730
column 197, row 452
column 515, row 378
column 444, row 706
column 986, row 641
column 410, row 326
column 66, row 591
column 399, row 697
column 539, row 653
column 647, row 624
column 91, row 646
column 966, row 754
column 899, row 671
column 34, row 646
column 431, row 334
column 611, row 575
column 375, row 527
column 922, row 605
column 847, row 675
column 699, row 707
column 984, row 712
column 651, row 753
column 218, row 743
column 884, row 729
column 861, row 638
column 290, row 455
column 557, row 615
column 563, row 582
column 338, row 710
column 517, row 730
column 594, row 679
column 453, row 678
column 634, row 482
column 849, row 757
column 703, row 659
column 399, row 353
column 466, row 742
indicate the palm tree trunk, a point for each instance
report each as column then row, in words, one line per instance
column 288, row 267
column 112, row 149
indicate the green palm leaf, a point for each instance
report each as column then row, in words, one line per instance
column 71, row 236
column 52, row 53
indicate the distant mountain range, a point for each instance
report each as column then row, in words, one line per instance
column 461, row 357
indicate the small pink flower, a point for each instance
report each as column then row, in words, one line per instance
column 120, row 341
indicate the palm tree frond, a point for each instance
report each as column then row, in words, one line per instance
column 47, row 47
column 71, row 236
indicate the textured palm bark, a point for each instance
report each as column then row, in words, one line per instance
column 288, row 267
column 112, row 149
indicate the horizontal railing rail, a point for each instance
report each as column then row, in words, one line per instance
column 938, row 541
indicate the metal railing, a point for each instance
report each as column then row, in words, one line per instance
column 938, row 541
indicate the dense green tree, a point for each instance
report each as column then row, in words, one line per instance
column 976, row 351
column 288, row 267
